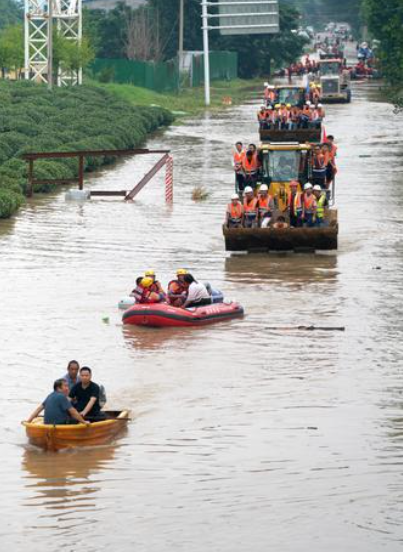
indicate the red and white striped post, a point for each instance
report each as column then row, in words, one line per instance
column 169, row 180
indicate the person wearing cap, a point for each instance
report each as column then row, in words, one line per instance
column 234, row 216
column 156, row 286
column 239, row 155
column 309, row 206
column 305, row 116
column 144, row 294
column 177, row 291
column 262, row 117
column 250, row 208
column 294, row 205
column 265, row 205
column 321, row 204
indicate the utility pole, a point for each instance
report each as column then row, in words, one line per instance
column 181, row 28
column 206, row 54
column 50, row 45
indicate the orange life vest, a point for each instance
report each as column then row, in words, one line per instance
column 235, row 212
column 250, row 165
column 265, row 205
column 238, row 159
column 309, row 204
column 251, row 207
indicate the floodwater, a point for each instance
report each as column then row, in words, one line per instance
column 243, row 437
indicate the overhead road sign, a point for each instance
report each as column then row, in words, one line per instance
column 241, row 17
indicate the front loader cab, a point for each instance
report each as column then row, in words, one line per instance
column 284, row 163
column 290, row 95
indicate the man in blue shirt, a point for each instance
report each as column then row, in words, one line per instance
column 72, row 376
column 58, row 408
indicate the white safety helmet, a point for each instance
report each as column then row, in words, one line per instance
column 235, row 196
column 264, row 188
column 308, row 102
column 320, row 105
column 317, row 188
column 266, row 84
column 248, row 190
column 308, row 186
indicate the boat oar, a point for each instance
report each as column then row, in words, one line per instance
column 307, row 328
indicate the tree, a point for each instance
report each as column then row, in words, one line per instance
column 11, row 13
column 385, row 19
column 11, row 48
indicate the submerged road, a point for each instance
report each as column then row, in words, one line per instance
column 243, row 438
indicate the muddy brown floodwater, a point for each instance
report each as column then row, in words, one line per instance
column 243, row 438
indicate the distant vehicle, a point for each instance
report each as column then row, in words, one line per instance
column 334, row 81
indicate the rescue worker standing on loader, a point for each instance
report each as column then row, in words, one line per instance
column 234, row 218
column 250, row 207
column 239, row 156
column 321, row 203
column 309, row 206
column 250, row 168
column 294, row 206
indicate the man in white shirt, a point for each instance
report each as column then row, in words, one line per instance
column 197, row 294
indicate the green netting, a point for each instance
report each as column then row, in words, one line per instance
column 164, row 77
column 223, row 66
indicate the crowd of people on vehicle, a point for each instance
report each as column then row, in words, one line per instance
column 75, row 399
column 248, row 165
column 183, row 291
column 287, row 117
column 294, row 209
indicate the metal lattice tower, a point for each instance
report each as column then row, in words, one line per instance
column 41, row 16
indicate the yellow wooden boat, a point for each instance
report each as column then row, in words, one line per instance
column 58, row 437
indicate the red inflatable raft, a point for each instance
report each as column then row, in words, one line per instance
column 162, row 315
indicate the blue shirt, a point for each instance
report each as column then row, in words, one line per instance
column 56, row 407
column 70, row 381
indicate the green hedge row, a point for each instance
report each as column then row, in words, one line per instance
column 85, row 117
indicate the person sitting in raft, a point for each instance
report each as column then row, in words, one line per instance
column 72, row 376
column 58, row 408
column 177, row 290
column 156, row 287
column 138, row 290
column 234, row 216
column 85, row 396
column 197, row 293
column 144, row 295
column 280, row 223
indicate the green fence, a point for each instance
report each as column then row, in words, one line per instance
column 164, row 77
column 160, row 77
column 223, row 66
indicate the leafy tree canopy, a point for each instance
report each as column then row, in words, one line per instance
column 10, row 13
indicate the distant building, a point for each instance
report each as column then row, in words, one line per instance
column 110, row 4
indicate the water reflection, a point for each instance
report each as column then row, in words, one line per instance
column 65, row 482
column 287, row 269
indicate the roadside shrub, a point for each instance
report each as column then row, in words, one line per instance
column 79, row 118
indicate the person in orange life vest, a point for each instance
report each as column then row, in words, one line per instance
column 294, row 205
column 332, row 154
column 270, row 117
column 319, row 167
column 280, row 223
column 305, row 115
column 234, row 216
column 269, row 94
column 250, row 168
column 250, row 207
column 265, row 206
column 315, row 118
column 177, row 290
column 262, row 117
column 239, row 156
column 309, row 206
column 138, row 290
column 144, row 295
column 156, row 287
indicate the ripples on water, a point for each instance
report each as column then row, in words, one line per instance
column 244, row 438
